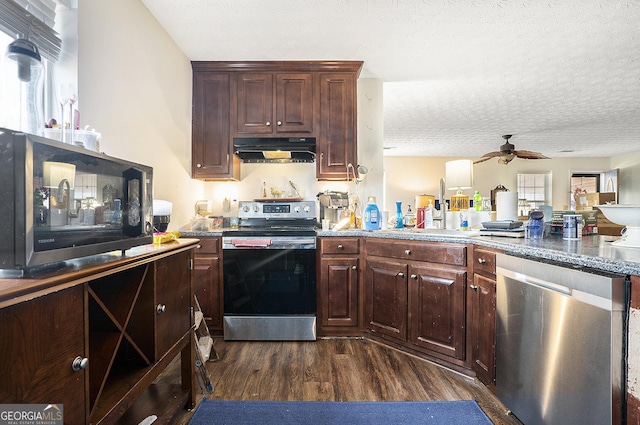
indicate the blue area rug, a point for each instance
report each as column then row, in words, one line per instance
column 234, row 412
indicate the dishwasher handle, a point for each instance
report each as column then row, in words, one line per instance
column 520, row 277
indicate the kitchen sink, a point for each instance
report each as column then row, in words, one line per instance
column 455, row 233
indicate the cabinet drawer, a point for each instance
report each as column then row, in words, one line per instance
column 207, row 246
column 484, row 260
column 432, row 252
column 339, row 246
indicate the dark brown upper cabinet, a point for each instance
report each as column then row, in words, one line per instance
column 280, row 99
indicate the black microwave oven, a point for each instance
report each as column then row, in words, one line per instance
column 59, row 202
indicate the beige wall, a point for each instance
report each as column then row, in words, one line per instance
column 410, row 176
column 134, row 86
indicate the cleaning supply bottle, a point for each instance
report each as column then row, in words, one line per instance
column 371, row 218
column 399, row 223
column 477, row 201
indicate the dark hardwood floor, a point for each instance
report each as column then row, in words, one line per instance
column 336, row 370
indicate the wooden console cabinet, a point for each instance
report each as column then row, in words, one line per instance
column 95, row 335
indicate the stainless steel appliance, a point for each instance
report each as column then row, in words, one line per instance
column 333, row 205
column 269, row 272
column 561, row 332
column 61, row 202
column 275, row 149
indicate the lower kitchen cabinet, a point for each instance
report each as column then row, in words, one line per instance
column 39, row 342
column 339, row 287
column 208, row 281
column 96, row 338
column 482, row 300
column 415, row 296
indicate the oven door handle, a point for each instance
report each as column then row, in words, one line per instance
column 251, row 243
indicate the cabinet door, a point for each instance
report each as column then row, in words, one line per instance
column 208, row 282
column 294, row 103
column 336, row 143
column 386, row 284
column 212, row 147
column 437, row 309
column 338, row 292
column 483, row 300
column 39, row 340
column 173, row 296
column 254, row 94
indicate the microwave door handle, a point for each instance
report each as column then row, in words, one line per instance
column 132, row 220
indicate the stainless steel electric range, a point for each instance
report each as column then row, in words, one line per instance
column 269, row 272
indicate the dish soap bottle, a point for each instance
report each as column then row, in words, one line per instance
column 409, row 218
column 371, row 217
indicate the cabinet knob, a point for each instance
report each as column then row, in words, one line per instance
column 400, row 274
column 414, row 276
column 79, row 363
column 198, row 165
column 474, row 287
column 279, row 122
column 198, row 246
column 340, row 247
column 160, row 308
column 268, row 123
column 481, row 260
column 407, row 252
column 354, row 268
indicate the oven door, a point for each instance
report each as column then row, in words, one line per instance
column 269, row 289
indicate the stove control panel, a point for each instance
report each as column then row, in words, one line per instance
column 277, row 209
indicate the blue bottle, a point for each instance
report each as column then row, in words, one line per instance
column 399, row 223
column 371, row 217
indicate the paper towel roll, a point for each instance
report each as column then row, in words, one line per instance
column 507, row 206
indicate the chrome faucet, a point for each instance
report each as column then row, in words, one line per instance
column 443, row 206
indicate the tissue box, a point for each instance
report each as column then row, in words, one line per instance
column 589, row 219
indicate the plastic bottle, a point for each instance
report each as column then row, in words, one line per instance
column 399, row 222
column 428, row 216
column 477, row 201
column 371, row 218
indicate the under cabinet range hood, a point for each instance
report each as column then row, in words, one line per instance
column 275, row 149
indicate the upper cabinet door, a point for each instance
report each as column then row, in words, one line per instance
column 336, row 144
column 294, row 103
column 263, row 109
column 254, row 114
column 212, row 148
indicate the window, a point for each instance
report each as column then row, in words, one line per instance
column 535, row 189
column 23, row 105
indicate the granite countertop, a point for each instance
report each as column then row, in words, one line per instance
column 593, row 251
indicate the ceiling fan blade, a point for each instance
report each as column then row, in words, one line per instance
column 529, row 155
column 483, row 159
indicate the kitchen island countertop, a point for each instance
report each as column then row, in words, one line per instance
column 593, row 251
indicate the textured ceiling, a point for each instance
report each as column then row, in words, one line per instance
column 562, row 76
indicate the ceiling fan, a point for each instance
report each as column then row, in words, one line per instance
column 507, row 153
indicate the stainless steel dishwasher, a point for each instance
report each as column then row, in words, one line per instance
column 560, row 349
